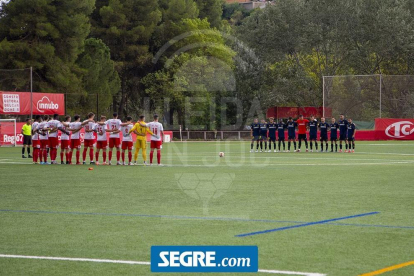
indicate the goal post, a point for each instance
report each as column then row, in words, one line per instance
column 366, row 97
column 8, row 133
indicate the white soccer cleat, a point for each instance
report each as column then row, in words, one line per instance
column 311, row 151
column 161, row 165
column 110, row 163
column 131, row 164
column 145, row 163
column 270, row 151
column 251, row 150
column 275, row 151
column 97, row 163
column 257, row 150
column 118, row 163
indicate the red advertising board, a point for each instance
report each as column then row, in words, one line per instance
column 294, row 112
column 7, row 137
column 18, row 103
column 394, row 129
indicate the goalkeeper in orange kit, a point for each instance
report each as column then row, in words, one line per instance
column 141, row 130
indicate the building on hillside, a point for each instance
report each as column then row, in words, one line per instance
column 250, row 5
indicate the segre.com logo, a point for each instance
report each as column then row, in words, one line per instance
column 204, row 259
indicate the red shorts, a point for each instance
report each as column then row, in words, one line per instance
column 44, row 144
column 114, row 142
column 65, row 144
column 156, row 144
column 101, row 144
column 53, row 142
column 127, row 145
column 88, row 142
column 75, row 144
column 36, row 144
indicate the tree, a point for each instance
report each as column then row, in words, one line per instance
column 234, row 13
column 301, row 41
column 127, row 26
column 48, row 35
column 212, row 10
column 100, row 79
column 197, row 72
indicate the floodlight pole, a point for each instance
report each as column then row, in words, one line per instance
column 323, row 96
column 380, row 96
column 31, row 92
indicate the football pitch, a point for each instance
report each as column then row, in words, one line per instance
column 309, row 214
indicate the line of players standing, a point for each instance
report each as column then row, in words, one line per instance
column 45, row 139
column 264, row 134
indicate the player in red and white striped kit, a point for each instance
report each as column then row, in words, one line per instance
column 53, row 126
column 65, row 141
column 156, row 139
column 127, row 142
column 35, row 140
column 43, row 139
column 75, row 142
column 89, row 138
column 114, row 125
column 102, row 140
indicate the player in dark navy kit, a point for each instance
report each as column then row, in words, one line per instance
column 291, row 127
column 343, row 128
column 313, row 132
column 263, row 135
column 272, row 127
column 255, row 133
column 334, row 134
column 324, row 127
column 351, row 136
column 281, row 126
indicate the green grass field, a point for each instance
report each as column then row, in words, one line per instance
column 118, row 212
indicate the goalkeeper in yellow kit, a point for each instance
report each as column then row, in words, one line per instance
column 141, row 130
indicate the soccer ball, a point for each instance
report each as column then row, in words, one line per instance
column 221, row 154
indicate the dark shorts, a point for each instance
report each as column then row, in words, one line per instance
column 342, row 137
column 313, row 136
column 302, row 137
column 256, row 138
column 334, row 139
column 292, row 137
column 282, row 139
column 324, row 138
column 272, row 139
column 351, row 139
column 27, row 140
column 263, row 137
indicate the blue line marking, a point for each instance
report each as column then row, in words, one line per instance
column 305, row 224
column 200, row 218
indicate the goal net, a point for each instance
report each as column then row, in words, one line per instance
column 8, row 134
column 366, row 97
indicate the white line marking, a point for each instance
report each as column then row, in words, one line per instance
column 267, row 164
column 290, row 272
column 295, row 164
column 139, row 263
column 73, row 259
